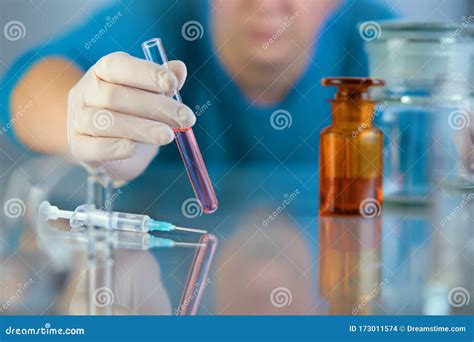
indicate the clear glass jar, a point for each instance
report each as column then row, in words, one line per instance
column 424, row 110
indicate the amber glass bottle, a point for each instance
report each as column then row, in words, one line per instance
column 350, row 150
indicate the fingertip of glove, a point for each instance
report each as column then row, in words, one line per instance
column 168, row 137
column 127, row 147
column 179, row 70
column 166, row 80
column 186, row 117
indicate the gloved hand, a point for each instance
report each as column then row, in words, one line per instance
column 120, row 112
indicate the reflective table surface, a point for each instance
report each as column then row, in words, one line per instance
column 274, row 254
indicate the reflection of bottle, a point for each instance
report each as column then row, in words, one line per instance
column 349, row 264
column 350, row 149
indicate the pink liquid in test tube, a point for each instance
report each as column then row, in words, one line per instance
column 187, row 144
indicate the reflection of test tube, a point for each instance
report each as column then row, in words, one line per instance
column 186, row 141
column 198, row 278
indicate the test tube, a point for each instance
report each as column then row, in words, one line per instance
column 187, row 144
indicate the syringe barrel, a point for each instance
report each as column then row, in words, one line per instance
column 186, row 141
column 84, row 215
column 129, row 222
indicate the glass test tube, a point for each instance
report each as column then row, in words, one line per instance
column 187, row 144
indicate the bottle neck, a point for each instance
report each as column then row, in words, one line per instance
column 352, row 112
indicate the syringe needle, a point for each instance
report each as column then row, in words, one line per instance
column 161, row 226
column 191, row 230
column 188, row 244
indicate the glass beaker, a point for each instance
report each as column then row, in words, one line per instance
column 424, row 109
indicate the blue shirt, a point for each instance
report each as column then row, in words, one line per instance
column 229, row 126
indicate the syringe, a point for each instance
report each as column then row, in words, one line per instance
column 86, row 215
column 187, row 144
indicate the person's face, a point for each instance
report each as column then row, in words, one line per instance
column 274, row 31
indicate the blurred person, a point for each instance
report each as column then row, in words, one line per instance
column 250, row 66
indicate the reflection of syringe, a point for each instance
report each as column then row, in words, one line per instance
column 132, row 240
column 85, row 215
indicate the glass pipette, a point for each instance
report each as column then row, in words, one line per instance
column 86, row 215
column 186, row 141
